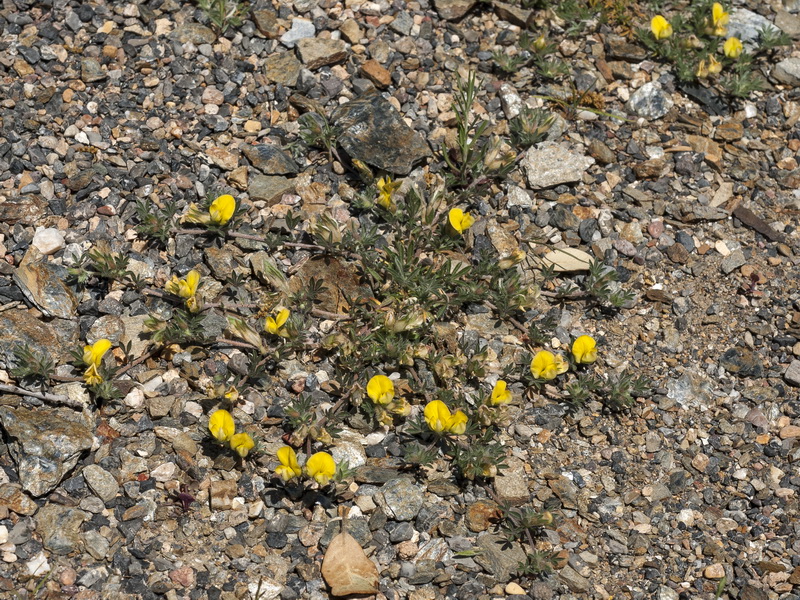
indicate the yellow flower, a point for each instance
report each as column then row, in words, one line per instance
column 584, row 349
column 275, row 325
column 93, row 355
column 500, row 394
column 92, row 376
column 242, row 443
column 321, row 468
column 380, row 389
column 186, row 287
column 732, row 47
column 222, row 209
column 459, row 220
column 660, row 27
column 546, row 365
column 231, row 394
column 540, row 43
column 714, row 66
column 458, row 423
column 439, row 419
column 288, row 469
column 719, row 19
column 386, row 188
column 702, row 70
column 221, row 425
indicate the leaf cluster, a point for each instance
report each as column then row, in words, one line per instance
column 224, row 14
column 32, row 365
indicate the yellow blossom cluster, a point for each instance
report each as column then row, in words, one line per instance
column 546, row 365
column 320, row 466
column 223, row 429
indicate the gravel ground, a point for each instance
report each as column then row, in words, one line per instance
column 692, row 201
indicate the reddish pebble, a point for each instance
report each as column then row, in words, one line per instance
column 183, row 576
column 107, row 210
column 68, row 576
column 655, row 229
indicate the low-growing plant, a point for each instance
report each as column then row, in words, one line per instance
column 155, row 222
column 32, row 365
column 693, row 43
column 224, row 14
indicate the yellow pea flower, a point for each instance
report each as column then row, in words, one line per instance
column 380, row 389
column 221, row 425
column 386, row 187
column 439, row 418
column 288, row 469
column 459, row 220
column 540, row 43
column 275, row 325
column 458, row 423
column 714, row 66
column 732, row 47
column 719, row 19
column 660, row 27
column 702, row 70
column 242, row 443
column 222, row 209
column 584, row 349
column 500, row 394
column 321, row 468
column 93, row 354
column 92, row 376
column 546, row 365
column 186, row 287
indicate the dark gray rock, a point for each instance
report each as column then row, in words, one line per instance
column 270, row 160
column 371, row 130
column 45, row 445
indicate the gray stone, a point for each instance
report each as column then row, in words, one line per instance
column 42, row 284
column 109, row 327
column 319, row 52
column 20, row 327
column 270, row 159
column 101, row 482
column 746, row 25
column 96, row 544
column 732, row 262
column 690, row 391
column 498, row 557
column 792, row 374
column 550, row 164
column 512, row 484
column 666, row 593
column 91, row 70
column 452, row 10
column 372, row 131
column 574, row 580
column 566, row 491
column 60, row 528
column 301, row 29
column 650, row 101
column 401, row 499
column 193, row 32
column 269, row 188
column 788, row 23
column 402, row 24
column 45, row 445
column 282, row 68
column 788, row 71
